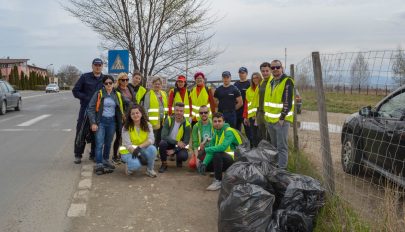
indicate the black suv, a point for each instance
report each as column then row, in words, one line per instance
column 375, row 138
column 9, row 97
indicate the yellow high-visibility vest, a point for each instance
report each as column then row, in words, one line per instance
column 136, row 139
column 221, row 139
column 200, row 100
column 180, row 132
column 100, row 96
column 139, row 95
column 273, row 104
column 153, row 112
column 252, row 98
column 186, row 102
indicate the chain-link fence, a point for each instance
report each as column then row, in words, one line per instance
column 361, row 156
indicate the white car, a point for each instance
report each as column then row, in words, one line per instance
column 52, row 88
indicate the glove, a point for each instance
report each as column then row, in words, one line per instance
column 135, row 153
column 201, row 168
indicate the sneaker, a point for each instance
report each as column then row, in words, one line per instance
column 216, row 185
column 108, row 165
column 128, row 172
column 78, row 160
column 116, row 160
column 163, row 168
column 151, row 173
column 99, row 169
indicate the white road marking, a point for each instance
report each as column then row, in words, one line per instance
column 34, row 120
column 314, row 126
column 34, row 130
column 77, row 210
column 6, row 119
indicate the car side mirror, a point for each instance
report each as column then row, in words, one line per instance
column 366, row 111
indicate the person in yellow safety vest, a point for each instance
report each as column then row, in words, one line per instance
column 266, row 74
column 155, row 105
column 220, row 154
column 250, row 109
column 175, row 138
column 180, row 94
column 199, row 96
column 137, row 142
column 137, row 88
column 279, row 109
column 105, row 113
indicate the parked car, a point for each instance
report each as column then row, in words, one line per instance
column 52, row 88
column 298, row 101
column 375, row 138
column 10, row 98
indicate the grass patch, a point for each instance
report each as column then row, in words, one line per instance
column 339, row 102
column 336, row 215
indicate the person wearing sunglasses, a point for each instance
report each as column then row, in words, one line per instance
column 137, row 87
column 279, row 109
column 201, row 134
column 84, row 89
column 105, row 111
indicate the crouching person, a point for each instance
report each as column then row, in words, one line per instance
column 137, row 141
column 175, row 138
column 219, row 155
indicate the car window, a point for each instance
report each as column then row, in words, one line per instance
column 3, row 87
column 10, row 88
column 394, row 108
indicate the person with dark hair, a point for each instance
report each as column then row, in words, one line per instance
column 137, row 87
column 250, row 109
column 180, row 94
column 242, row 84
column 175, row 138
column 83, row 90
column 229, row 99
column 219, row 155
column 105, row 112
column 202, row 134
column 200, row 95
column 266, row 74
column 279, row 110
column 137, row 142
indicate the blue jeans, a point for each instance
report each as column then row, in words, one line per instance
column 279, row 139
column 104, row 136
column 230, row 118
column 134, row 164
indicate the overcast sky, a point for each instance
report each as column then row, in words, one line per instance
column 251, row 31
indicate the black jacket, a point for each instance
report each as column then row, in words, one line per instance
column 86, row 86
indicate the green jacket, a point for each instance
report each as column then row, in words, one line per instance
column 168, row 128
column 196, row 134
column 229, row 141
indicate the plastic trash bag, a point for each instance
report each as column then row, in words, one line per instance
column 242, row 173
column 247, row 208
column 264, row 152
column 291, row 221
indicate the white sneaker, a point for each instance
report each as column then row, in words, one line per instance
column 216, row 185
column 151, row 173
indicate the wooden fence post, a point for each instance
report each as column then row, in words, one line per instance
column 328, row 173
column 295, row 127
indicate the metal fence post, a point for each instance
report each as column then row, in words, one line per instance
column 328, row 173
column 295, row 129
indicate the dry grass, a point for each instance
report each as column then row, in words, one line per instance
column 392, row 214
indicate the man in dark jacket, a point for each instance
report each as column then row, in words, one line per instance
column 84, row 89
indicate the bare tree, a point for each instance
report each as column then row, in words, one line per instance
column 359, row 71
column 398, row 67
column 169, row 36
column 68, row 75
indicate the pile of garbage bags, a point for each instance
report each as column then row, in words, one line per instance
column 258, row 196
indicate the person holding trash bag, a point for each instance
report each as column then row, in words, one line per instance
column 137, row 142
column 219, row 155
column 175, row 138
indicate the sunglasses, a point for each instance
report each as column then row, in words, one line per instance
column 275, row 67
column 205, row 112
column 108, row 83
column 124, row 80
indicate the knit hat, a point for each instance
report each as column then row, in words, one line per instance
column 199, row 74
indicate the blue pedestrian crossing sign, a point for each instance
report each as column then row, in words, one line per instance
column 118, row 61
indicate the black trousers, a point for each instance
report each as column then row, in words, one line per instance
column 79, row 150
column 254, row 133
column 221, row 162
column 181, row 154
column 117, row 142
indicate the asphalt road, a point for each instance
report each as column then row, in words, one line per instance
column 37, row 174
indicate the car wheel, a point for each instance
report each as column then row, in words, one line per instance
column 19, row 105
column 351, row 155
column 3, row 108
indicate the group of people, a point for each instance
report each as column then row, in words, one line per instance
column 146, row 123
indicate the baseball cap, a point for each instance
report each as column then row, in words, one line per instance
column 181, row 78
column 243, row 69
column 97, row 61
column 226, row 74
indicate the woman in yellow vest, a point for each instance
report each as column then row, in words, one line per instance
column 155, row 105
column 200, row 95
column 250, row 109
column 180, row 94
column 137, row 88
column 137, row 141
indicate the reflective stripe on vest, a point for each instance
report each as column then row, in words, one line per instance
column 200, row 100
column 153, row 112
column 222, row 137
column 252, row 97
column 180, row 132
column 136, row 138
column 273, row 104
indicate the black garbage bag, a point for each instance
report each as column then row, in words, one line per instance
column 247, row 208
column 297, row 192
column 289, row 221
column 245, row 172
column 264, row 152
